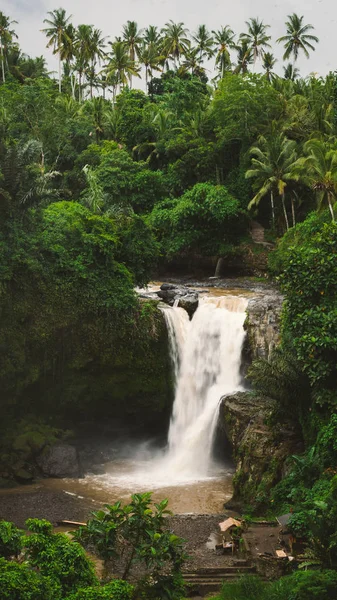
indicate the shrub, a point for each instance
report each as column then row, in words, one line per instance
column 10, row 539
column 56, row 556
column 116, row 590
column 19, row 582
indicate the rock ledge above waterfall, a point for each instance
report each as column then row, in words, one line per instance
column 187, row 298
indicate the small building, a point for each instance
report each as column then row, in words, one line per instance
column 227, row 528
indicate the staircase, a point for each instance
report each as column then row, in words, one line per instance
column 257, row 234
column 202, row 582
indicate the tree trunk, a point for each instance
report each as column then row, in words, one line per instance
column 73, row 85
column 272, row 208
column 146, row 78
column 2, row 62
column 285, row 211
column 331, row 208
column 293, row 211
column 60, row 75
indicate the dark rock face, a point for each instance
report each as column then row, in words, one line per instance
column 259, row 447
column 263, row 324
column 187, row 299
column 60, row 460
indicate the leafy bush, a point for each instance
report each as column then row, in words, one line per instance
column 116, row 590
column 10, row 539
column 136, row 533
column 58, row 557
column 249, row 587
column 206, row 220
column 20, row 582
column 304, row 585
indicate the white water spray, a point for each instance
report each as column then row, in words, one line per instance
column 209, row 368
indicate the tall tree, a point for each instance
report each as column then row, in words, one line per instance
column 175, row 41
column 268, row 63
column 204, row 43
column 56, row 32
column 290, row 72
column 6, row 36
column 150, row 57
column 133, row 39
column 152, row 35
column 256, row 37
column 245, row 56
column 120, row 64
column 297, row 38
column 318, row 170
column 192, row 63
column 224, row 39
column 273, row 162
column 83, row 53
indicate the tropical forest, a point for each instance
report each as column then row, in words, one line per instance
column 168, row 313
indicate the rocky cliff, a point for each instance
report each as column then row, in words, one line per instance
column 260, row 446
column 263, row 324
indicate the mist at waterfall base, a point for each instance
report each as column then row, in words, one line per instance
column 206, row 357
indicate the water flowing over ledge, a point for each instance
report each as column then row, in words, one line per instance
column 206, row 356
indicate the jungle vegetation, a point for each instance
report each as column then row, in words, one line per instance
column 102, row 184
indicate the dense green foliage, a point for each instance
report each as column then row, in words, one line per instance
column 57, row 567
column 301, row 375
column 99, row 185
column 117, row 589
column 307, row 585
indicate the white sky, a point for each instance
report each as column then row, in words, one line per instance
column 110, row 15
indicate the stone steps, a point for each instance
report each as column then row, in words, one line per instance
column 209, row 580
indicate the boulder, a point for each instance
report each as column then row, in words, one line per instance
column 60, row 461
column 190, row 303
column 186, row 298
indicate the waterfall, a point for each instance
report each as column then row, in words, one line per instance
column 206, row 354
column 177, row 323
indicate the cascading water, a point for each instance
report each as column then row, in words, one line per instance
column 209, row 361
column 177, row 323
column 205, row 354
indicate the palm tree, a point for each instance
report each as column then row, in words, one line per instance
column 268, row 63
column 273, row 163
column 162, row 123
column 150, row 57
column 133, row 39
column 175, row 41
column 56, row 32
column 6, row 36
column 225, row 40
column 245, row 56
column 192, row 63
column 152, row 35
column 83, row 52
column 290, row 72
column 67, row 55
column 297, row 37
column 93, row 196
column 318, row 170
column 97, row 45
column 120, row 64
column 204, row 43
column 256, row 37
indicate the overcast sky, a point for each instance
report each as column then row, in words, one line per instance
column 110, row 15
